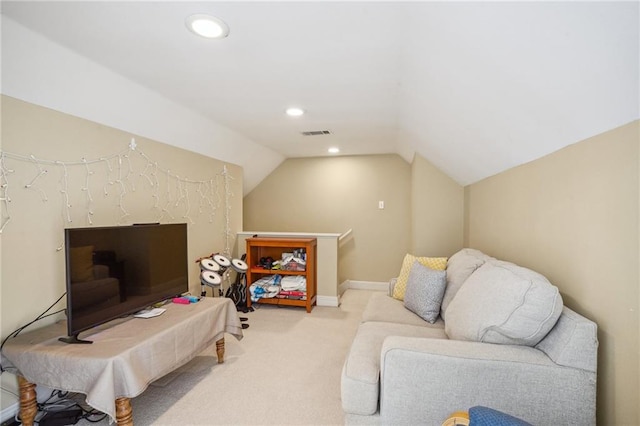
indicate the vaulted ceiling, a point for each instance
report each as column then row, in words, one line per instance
column 474, row 87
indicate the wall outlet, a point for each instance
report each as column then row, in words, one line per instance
column 381, row 205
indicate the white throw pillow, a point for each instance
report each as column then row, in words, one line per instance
column 504, row 303
column 425, row 288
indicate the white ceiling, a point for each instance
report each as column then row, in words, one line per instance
column 474, row 87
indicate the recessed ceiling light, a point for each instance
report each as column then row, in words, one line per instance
column 207, row 26
column 294, row 112
column 334, row 150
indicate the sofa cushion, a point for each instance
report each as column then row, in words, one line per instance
column 425, row 288
column 382, row 308
column 437, row 263
column 459, row 267
column 504, row 303
column 361, row 370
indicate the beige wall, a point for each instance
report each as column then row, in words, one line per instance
column 8, row 385
column 423, row 211
column 437, row 210
column 334, row 194
column 574, row 217
column 32, row 262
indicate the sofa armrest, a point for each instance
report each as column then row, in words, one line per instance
column 425, row 380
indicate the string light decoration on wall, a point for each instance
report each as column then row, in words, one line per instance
column 227, row 213
column 5, row 218
column 118, row 175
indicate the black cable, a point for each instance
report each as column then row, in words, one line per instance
column 61, row 395
column 19, row 330
column 38, row 318
column 53, row 393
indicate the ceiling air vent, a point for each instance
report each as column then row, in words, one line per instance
column 316, row 133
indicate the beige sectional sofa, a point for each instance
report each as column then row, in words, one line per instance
column 502, row 339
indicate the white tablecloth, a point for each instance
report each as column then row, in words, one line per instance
column 126, row 355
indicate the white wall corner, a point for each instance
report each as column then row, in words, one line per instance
column 405, row 149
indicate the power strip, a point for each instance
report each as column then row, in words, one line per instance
column 61, row 418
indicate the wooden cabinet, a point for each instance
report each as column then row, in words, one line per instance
column 258, row 248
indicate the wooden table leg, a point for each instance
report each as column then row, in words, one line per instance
column 124, row 413
column 220, row 350
column 28, row 403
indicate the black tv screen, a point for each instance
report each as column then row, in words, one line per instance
column 115, row 271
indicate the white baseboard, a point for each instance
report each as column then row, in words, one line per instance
column 9, row 412
column 362, row 285
column 327, row 301
column 9, row 399
column 334, row 301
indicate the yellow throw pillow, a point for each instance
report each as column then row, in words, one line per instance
column 436, row 263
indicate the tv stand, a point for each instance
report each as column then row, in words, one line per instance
column 74, row 340
column 117, row 367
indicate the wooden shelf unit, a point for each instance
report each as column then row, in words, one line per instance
column 259, row 247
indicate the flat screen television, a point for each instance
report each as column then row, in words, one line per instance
column 115, row 271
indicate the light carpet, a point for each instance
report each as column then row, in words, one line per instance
column 285, row 371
